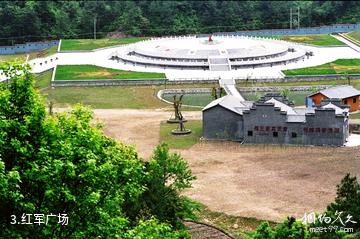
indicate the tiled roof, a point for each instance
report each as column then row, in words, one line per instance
column 339, row 92
column 282, row 106
column 231, row 103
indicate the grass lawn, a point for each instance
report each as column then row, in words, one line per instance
column 181, row 141
column 355, row 35
column 91, row 72
column 106, row 97
column 90, row 44
column 340, row 66
column 318, row 40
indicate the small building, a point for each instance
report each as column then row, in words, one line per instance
column 274, row 120
column 347, row 94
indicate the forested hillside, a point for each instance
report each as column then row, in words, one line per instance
column 36, row 20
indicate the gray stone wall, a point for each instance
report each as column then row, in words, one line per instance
column 222, row 124
column 324, row 128
column 268, row 126
column 263, row 121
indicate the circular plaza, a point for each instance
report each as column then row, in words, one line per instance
column 213, row 53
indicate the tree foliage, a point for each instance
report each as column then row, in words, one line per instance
column 63, row 163
column 75, row 19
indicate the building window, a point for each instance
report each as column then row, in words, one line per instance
column 250, row 133
column 293, row 135
column 345, row 102
column 354, row 100
column 275, row 134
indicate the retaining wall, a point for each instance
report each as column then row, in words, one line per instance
column 107, row 82
column 27, row 47
column 336, row 28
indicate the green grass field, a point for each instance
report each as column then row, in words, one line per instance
column 340, row 66
column 106, row 97
column 91, row 44
column 181, row 141
column 91, row 72
column 318, row 40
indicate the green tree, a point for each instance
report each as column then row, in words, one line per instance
column 63, row 163
column 290, row 228
column 167, row 175
column 347, row 201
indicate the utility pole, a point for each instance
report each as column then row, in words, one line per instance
column 95, row 28
column 295, row 22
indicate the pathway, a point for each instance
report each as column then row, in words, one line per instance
column 229, row 86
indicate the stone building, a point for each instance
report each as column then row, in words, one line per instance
column 274, row 120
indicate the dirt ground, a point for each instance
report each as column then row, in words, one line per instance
column 266, row 182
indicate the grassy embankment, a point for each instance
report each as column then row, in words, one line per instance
column 318, row 40
column 340, row 66
column 355, row 35
column 22, row 56
column 90, row 44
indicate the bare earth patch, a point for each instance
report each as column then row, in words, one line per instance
column 266, row 182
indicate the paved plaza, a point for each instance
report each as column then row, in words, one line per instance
column 222, row 49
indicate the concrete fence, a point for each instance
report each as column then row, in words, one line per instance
column 336, row 28
column 27, row 47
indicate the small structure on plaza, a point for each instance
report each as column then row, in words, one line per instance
column 274, row 120
column 181, row 130
column 346, row 93
column 178, row 118
column 177, row 103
